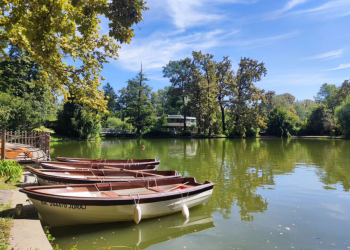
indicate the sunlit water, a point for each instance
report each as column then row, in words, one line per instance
column 269, row 194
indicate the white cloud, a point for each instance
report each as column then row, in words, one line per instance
column 290, row 5
column 193, row 13
column 157, row 50
column 259, row 42
column 341, row 66
column 287, row 7
column 328, row 55
column 331, row 9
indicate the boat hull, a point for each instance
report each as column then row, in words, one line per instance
column 59, row 214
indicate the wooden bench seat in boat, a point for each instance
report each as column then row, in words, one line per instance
column 110, row 194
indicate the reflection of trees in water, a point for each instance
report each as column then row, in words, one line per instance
column 332, row 158
column 238, row 167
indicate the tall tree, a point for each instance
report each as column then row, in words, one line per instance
column 326, row 95
column 179, row 74
column 225, row 81
column 246, row 104
column 208, row 84
column 111, row 97
column 138, row 103
column 51, row 31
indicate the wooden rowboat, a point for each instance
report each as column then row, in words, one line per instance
column 112, row 202
column 87, row 166
column 115, row 161
column 65, row 177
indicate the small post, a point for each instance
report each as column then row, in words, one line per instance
column 3, row 138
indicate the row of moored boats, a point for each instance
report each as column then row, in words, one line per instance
column 86, row 191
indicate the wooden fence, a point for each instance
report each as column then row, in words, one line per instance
column 36, row 139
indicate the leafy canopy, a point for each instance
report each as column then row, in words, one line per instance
column 54, row 32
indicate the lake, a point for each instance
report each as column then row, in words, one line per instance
column 269, row 194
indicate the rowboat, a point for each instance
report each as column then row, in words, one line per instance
column 115, row 161
column 111, row 202
column 65, row 177
column 87, row 166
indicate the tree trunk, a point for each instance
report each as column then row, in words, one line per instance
column 183, row 99
column 223, row 119
column 3, row 132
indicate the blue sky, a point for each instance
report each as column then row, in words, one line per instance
column 303, row 43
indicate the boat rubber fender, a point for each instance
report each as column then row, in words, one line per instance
column 137, row 214
column 185, row 211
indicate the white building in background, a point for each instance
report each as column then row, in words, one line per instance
column 176, row 123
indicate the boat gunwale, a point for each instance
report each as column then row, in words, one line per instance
column 98, row 179
column 122, row 199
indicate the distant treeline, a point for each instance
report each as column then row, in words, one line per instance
column 224, row 102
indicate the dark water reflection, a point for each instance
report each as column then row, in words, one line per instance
column 271, row 193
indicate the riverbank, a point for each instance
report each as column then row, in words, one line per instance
column 24, row 231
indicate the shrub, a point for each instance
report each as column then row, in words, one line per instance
column 10, row 170
column 158, row 132
column 186, row 133
column 342, row 112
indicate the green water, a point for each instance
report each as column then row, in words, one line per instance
column 269, row 194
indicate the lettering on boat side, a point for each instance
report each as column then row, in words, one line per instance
column 69, row 206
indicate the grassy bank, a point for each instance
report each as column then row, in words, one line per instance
column 5, row 225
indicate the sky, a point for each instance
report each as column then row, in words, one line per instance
column 303, row 43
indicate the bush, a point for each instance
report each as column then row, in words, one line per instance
column 186, row 133
column 281, row 122
column 114, row 122
column 158, row 132
column 342, row 112
column 10, row 170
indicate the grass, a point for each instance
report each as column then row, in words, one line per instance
column 7, row 185
column 10, row 170
column 5, row 226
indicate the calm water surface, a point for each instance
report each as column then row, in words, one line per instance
column 269, row 194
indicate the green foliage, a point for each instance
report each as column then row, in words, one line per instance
column 158, row 132
column 281, row 122
column 247, row 102
column 321, row 121
column 10, row 170
column 52, row 31
column 23, row 105
column 326, row 95
column 137, row 104
column 186, row 133
column 110, row 96
column 75, row 120
column 162, row 121
column 49, row 237
column 114, row 122
column 342, row 112
column 43, row 129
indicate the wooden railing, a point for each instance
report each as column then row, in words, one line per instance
column 116, row 131
column 36, row 139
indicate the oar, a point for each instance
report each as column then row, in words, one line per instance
column 176, row 187
column 34, row 169
column 133, row 171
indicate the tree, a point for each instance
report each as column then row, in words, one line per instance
column 326, row 95
column 342, row 112
column 51, row 31
column 321, row 121
column 179, row 74
column 75, row 120
column 34, row 104
column 225, row 81
column 246, row 103
column 281, row 122
column 342, row 93
column 204, row 65
column 111, row 97
column 137, row 102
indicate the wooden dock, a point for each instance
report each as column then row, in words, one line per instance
column 37, row 153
